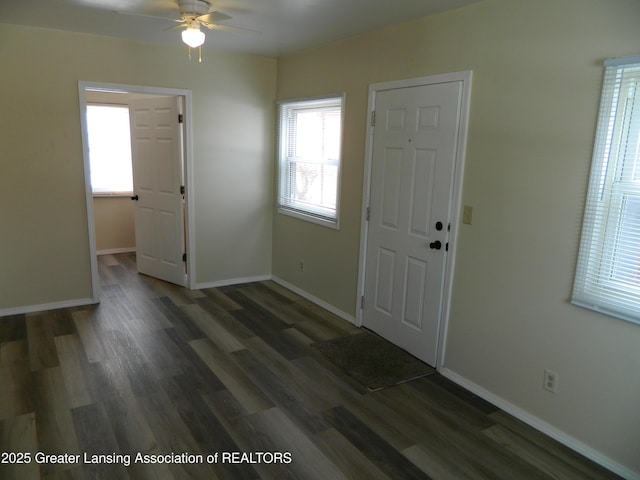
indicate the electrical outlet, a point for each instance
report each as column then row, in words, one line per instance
column 550, row 381
column 301, row 265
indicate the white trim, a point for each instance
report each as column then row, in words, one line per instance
column 231, row 281
column 302, row 213
column 115, row 251
column 84, row 86
column 456, row 195
column 542, row 426
column 81, row 302
column 93, row 257
column 619, row 61
column 316, row 300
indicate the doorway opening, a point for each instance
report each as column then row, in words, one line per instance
column 145, row 224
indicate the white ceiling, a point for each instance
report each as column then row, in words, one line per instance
column 280, row 26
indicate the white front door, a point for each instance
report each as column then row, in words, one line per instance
column 413, row 157
column 156, row 150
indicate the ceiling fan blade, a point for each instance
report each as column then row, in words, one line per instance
column 166, row 19
column 182, row 25
column 227, row 28
column 213, row 17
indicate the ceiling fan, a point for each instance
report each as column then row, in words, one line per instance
column 195, row 14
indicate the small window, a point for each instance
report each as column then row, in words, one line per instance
column 109, row 140
column 608, row 271
column 310, row 147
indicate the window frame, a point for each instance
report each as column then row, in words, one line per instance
column 603, row 258
column 286, row 205
column 107, row 193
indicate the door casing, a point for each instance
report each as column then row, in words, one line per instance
column 84, row 86
column 465, row 77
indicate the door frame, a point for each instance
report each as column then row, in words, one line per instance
column 84, row 86
column 456, row 199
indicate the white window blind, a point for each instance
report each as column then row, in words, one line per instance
column 309, row 159
column 608, row 270
column 109, row 140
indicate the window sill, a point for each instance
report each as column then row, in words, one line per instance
column 112, row 195
column 333, row 224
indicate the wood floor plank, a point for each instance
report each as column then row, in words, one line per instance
column 458, row 410
column 95, row 437
column 285, row 436
column 213, row 329
column 179, row 320
column 233, row 377
column 189, row 362
column 129, row 425
column 461, row 437
column 299, row 385
column 42, row 349
column 13, row 328
column 346, row 457
column 205, row 428
column 532, row 454
column 440, row 464
column 74, row 366
column 18, row 435
column 224, row 318
column 271, row 301
column 157, row 369
column 280, row 392
column 130, row 361
column 220, row 300
column 580, row 467
column 16, row 394
column 173, row 435
column 91, row 341
column 374, row 447
column 54, row 424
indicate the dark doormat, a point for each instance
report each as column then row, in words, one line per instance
column 373, row 361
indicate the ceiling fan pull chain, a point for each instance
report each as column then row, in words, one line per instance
column 200, row 54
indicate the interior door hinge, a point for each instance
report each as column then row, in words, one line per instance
column 373, row 118
column 182, row 189
column 184, row 257
column 368, row 213
column 180, row 118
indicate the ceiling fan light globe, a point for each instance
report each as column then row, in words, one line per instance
column 193, row 37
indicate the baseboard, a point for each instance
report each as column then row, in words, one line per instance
column 316, row 300
column 81, row 302
column 114, row 251
column 231, row 281
column 542, row 426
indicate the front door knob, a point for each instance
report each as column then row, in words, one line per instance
column 437, row 245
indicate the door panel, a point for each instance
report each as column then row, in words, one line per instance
column 157, row 178
column 413, row 158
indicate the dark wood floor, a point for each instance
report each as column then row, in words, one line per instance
column 158, row 370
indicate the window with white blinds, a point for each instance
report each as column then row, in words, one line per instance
column 310, row 146
column 608, row 271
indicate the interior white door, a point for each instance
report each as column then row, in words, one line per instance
column 156, row 150
column 413, row 159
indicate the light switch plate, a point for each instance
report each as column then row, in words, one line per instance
column 467, row 214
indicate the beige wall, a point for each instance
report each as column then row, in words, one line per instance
column 537, row 69
column 115, row 229
column 43, row 224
